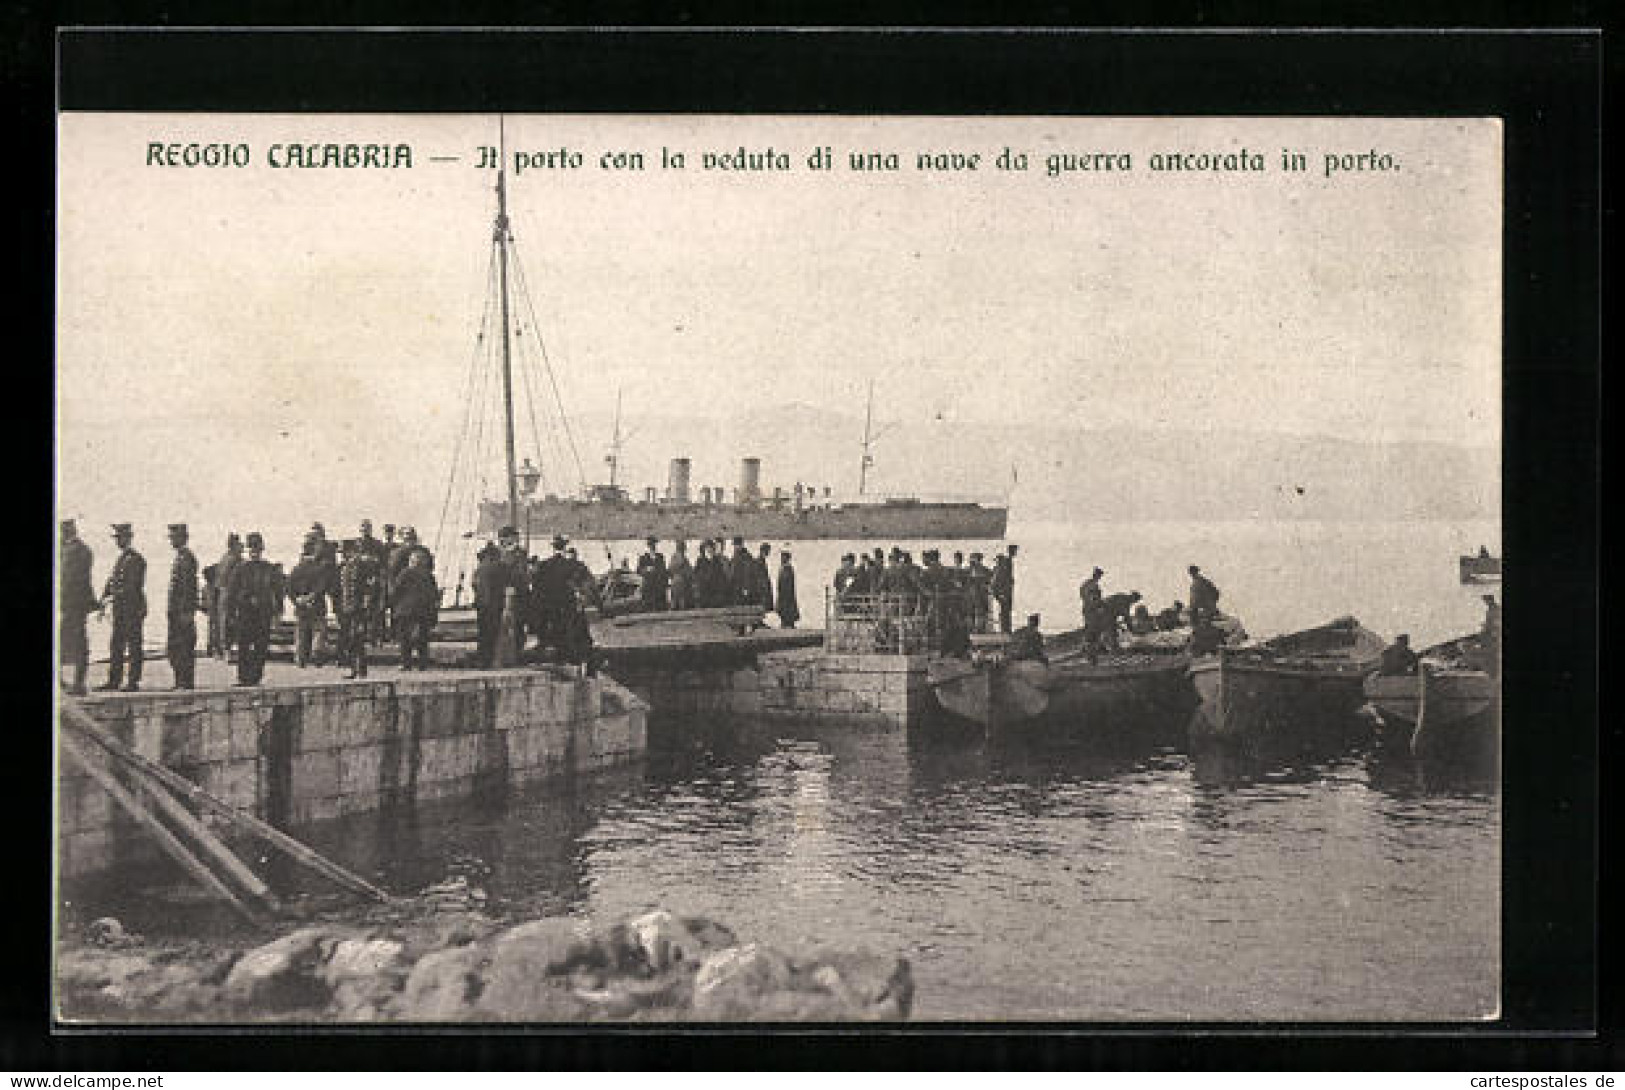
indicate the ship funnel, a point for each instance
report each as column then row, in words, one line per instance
column 677, row 484
column 750, row 480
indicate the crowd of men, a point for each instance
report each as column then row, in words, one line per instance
column 376, row 588
column 717, row 577
column 895, row 573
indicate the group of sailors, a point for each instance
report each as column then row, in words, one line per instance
column 377, row 589
column 930, row 584
column 715, row 578
column 1109, row 617
column 519, row 597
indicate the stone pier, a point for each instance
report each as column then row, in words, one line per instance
column 297, row 753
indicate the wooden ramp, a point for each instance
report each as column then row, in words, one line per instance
column 172, row 809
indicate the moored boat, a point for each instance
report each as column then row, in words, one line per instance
column 1121, row 693
column 1450, row 705
column 1482, row 568
column 1291, row 688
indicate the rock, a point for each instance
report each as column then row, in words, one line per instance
column 518, row 987
column 282, row 974
column 351, row 959
column 872, row 987
column 440, row 986
column 86, row 968
column 712, row 935
column 663, row 941
column 107, row 931
column 731, row 983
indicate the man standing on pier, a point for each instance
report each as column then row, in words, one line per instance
column 789, row 608
column 416, row 601
column 681, row 574
column 490, row 586
column 652, row 578
column 220, row 638
column 764, row 578
column 127, row 591
column 309, row 585
column 357, row 594
column 181, row 641
column 256, row 600
column 78, row 601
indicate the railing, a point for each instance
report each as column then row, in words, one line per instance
column 905, row 623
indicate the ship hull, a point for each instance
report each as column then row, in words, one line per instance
column 595, row 521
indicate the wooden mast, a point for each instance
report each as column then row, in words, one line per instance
column 502, row 237
column 868, row 438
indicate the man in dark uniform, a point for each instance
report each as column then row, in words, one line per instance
column 127, row 591
column 357, row 593
column 1003, row 587
column 415, row 600
column 1116, row 609
column 1171, row 618
column 1092, row 600
column 979, row 578
column 256, row 600
column 652, row 578
column 490, row 587
column 309, row 585
column 220, row 607
column 742, row 583
column 1027, row 644
column 553, row 589
column 181, row 641
column 789, row 607
column 1397, row 658
column 78, row 600
column 764, row 578
column 1490, row 636
column 518, row 569
column 1204, row 596
column 681, row 573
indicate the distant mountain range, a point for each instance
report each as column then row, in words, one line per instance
column 1112, row 474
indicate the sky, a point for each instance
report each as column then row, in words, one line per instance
column 262, row 341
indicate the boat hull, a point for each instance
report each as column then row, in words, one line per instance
column 1480, row 569
column 1247, row 701
column 608, row 521
column 1120, row 696
column 1458, row 714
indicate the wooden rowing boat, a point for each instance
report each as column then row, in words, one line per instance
column 1480, row 569
column 1069, row 698
column 1291, row 688
column 1448, row 706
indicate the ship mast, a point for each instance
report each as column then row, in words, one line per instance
column 502, row 237
column 615, row 442
column 868, row 438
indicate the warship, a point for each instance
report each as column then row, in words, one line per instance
column 510, row 341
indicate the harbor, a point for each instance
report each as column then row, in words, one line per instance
column 630, row 634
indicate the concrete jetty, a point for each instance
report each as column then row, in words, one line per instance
column 306, row 746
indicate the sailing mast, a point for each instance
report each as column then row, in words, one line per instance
column 868, row 438
column 615, row 442
column 503, row 238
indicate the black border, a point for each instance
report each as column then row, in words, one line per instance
column 1545, row 85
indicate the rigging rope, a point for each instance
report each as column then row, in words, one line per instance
column 541, row 345
column 469, row 385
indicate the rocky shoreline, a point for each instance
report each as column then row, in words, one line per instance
column 467, row 967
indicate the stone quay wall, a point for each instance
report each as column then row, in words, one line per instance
column 302, row 754
column 888, row 691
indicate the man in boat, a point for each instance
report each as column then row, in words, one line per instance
column 789, row 607
column 126, row 592
column 1171, row 618
column 1398, row 659
column 309, row 585
column 1116, row 609
column 681, row 574
column 416, row 603
column 1204, row 596
column 1092, row 600
column 220, row 639
column 77, row 602
column 1002, row 585
column 1205, row 638
column 256, row 600
column 1027, row 644
column 979, row 578
column 358, row 579
column 1141, row 623
column 1490, row 636
column 180, row 643
column 490, row 590
column 652, row 576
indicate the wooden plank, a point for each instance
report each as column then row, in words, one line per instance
column 264, row 830
column 167, row 840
